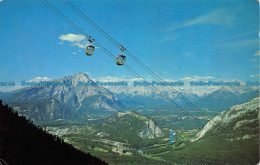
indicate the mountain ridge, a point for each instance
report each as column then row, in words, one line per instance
column 235, row 113
column 66, row 99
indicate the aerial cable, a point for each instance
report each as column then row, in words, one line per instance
column 189, row 103
column 96, row 43
column 82, row 32
column 73, row 7
column 88, row 20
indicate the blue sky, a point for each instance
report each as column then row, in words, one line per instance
column 175, row 38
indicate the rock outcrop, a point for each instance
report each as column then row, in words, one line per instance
column 150, row 130
column 241, row 120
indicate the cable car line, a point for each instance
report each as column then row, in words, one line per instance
column 88, row 20
column 128, row 68
column 167, row 99
column 109, row 53
column 68, row 20
column 189, row 103
column 75, row 26
column 120, row 59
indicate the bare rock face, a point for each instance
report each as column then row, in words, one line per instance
column 130, row 125
column 150, row 130
column 238, row 120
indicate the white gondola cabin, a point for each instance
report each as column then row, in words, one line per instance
column 90, row 49
column 120, row 60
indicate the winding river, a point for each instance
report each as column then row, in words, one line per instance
column 171, row 137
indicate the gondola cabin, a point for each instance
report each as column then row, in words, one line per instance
column 89, row 50
column 120, row 60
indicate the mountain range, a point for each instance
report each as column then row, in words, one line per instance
column 43, row 103
column 217, row 100
column 62, row 102
column 225, row 97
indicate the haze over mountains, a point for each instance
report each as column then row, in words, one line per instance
column 145, row 95
column 225, row 97
column 43, row 103
column 217, row 99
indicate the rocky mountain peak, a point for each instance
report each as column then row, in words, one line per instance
column 64, row 98
column 74, row 79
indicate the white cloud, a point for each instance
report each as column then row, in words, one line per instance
column 80, row 45
column 112, row 79
column 196, row 78
column 169, row 38
column 255, row 75
column 1, row 0
column 10, row 88
column 239, row 44
column 253, row 60
column 72, row 37
column 237, row 36
column 257, row 53
column 130, row 81
column 124, row 78
column 200, row 90
column 217, row 17
column 74, row 53
column 75, row 40
column 38, row 79
column 18, row 84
